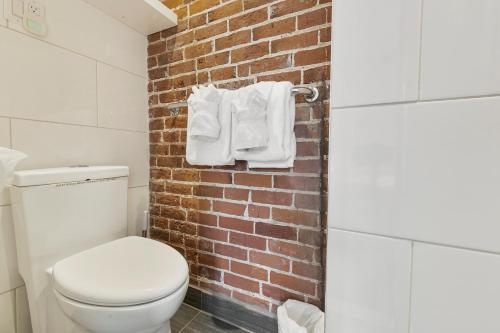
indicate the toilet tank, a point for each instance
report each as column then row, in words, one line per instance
column 62, row 211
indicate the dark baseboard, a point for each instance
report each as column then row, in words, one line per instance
column 231, row 311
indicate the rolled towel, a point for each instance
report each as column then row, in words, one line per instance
column 204, row 104
column 250, row 115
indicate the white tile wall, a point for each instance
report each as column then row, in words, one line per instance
column 4, row 142
column 79, row 27
column 58, row 144
column 77, row 97
column 454, row 290
column 122, row 99
column 369, row 278
column 43, row 82
column 416, row 170
column 7, row 312
column 376, row 51
column 419, row 170
column 461, row 48
column 9, row 276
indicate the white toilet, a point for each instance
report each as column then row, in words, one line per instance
column 81, row 272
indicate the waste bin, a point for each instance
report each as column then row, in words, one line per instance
column 300, row 317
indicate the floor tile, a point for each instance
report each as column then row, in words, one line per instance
column 182, row 317
column 204, row 323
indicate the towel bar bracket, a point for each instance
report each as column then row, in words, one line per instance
column 311, row 93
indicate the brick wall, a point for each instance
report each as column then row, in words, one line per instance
column 254, row 235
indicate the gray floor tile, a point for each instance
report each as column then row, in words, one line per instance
column 204, row 323
column 183, row 316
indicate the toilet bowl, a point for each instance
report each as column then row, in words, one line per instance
column 130, row 285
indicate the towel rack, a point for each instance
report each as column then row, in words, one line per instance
column 311, row 96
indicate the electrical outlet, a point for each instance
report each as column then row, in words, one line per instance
column 34, row 18
column 34, row 8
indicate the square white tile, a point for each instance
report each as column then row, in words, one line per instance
column 454, row 290
column 460, row 48
column 8, row 312
column 43, row 82
column 376, row 48
column 51, row 145
column 368, row 283
column 425, row 171
column 138, row 202
column 122, row 99
column 9, row 276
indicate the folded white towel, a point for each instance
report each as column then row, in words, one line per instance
column 215, row 151
column 204, row 105
column 249, row 117
column 280, row 150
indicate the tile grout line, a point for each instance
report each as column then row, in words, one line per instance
column 189, row 322
column 412, row 248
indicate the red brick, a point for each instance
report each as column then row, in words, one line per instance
column 169, row 162
column 311, row 271
column 236, row 194
column 214, row 261
column 202, row 5
column 202, row 218
column 293, row 283
column 216, row 177
column 309, row 131
column 269, row 64
column 206, row 272
column 225, row 11
column 254, row 242
column 307, row 148
column 274, row 28
column 318, row 74
column 293, row 77
column 297, row 183
column 295, row 42
column 198, row 50
column 170, row 57
column 253, row 180
column 205, row 245
column 251, row 271
column 176, row 122
column 212, row 233
column 168, row 199
column 310, row 19
column 241, row 283
column 157, row 48
column 236, row 224
column 325, row 35
column 295, row 216
column 197, row 21
column 173, row 213
column 211, row 30
column 234, row 39
column 258, row 211
column 290, row 6
column 248, row 19
column 250, row 52
column 231, row 251
column 311, row 237
column 249, row 4
column 313, row 56
column 213, row 60
column 275, row 231
column 208, row 191
column 215, row 287
column 182, row 227
column 297, row 251
column 180, row 40
column 223, row 73
column 272, row 198
column 160, row 174
column 183, row 67
column 185, row 175
column 280, row 294
column 195, row 203
column 229, row 208
column 178, row 150
column 270, row 260
column 307, row 201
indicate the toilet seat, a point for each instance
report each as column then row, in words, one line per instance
column 125, row 272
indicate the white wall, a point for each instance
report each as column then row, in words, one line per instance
column 414, row 225
column 76, row 97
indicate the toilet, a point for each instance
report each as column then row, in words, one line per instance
column 82, row 272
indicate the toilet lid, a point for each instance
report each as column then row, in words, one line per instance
column 127, row 271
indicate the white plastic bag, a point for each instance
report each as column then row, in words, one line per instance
column 300, row 317
column 8, row 160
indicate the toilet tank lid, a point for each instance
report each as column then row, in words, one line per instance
column 67, row 175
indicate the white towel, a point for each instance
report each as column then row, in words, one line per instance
column 204, row 104
column 213, row 151
column 280, row 151
column 250, row 120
